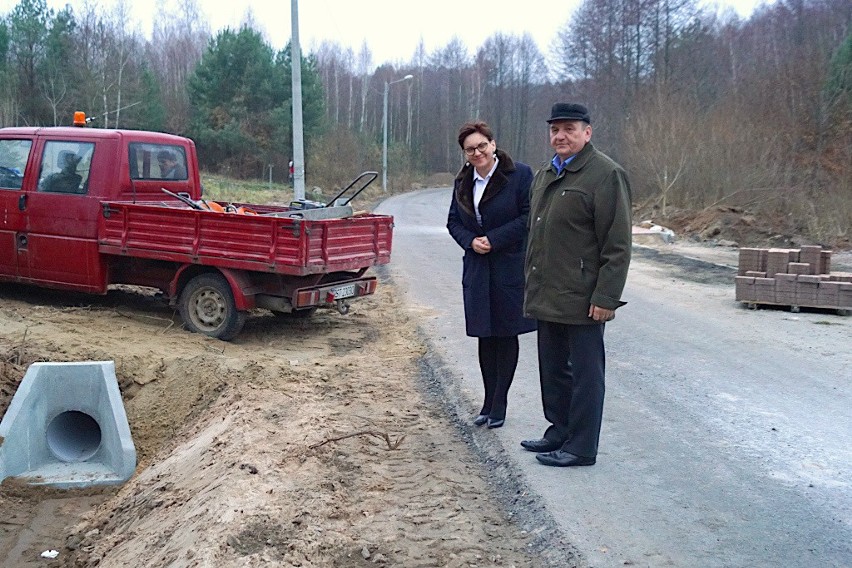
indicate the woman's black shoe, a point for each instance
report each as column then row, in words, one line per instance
column 495, row 422
column 480, row 420
column 541, row 445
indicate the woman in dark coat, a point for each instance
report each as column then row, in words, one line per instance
column 488, row 219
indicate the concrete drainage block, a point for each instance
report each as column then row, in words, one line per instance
column 66, row 427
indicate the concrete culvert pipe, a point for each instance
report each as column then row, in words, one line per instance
column 66, row 427
column 73, row 436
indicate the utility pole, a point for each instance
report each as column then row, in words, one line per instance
column 296, row 74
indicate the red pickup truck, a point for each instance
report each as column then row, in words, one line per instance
column 84, row 208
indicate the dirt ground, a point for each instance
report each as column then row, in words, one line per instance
column 301, row 443
column 738, row 226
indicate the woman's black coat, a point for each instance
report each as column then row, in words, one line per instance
column 493, row 283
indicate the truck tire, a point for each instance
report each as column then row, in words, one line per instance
column 207, row 306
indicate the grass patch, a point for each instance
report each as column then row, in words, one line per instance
column 221, row 188
column 224, row 189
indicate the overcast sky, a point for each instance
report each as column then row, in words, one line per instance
column 391, row 28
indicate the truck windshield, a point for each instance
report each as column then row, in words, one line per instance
column 13, row 162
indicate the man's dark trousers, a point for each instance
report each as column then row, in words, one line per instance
column 571, row 364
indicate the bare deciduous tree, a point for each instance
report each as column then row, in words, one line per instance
column 365, row 63
column 178, row 41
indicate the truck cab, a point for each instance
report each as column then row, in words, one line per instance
column 52, row 182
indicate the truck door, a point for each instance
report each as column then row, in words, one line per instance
column 61, row 220
column 14, row 155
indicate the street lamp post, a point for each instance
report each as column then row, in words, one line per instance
column 385, row 131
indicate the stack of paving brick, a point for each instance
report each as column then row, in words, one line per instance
column 792, row 277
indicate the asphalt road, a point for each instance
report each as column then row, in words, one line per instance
column 727, row 436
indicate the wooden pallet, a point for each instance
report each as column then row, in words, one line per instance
column 795, row 308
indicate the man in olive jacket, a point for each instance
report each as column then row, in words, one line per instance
column 576, row 266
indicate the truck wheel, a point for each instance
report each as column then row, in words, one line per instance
column 207, row 306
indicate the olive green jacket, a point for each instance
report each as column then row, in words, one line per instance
column 580, row 227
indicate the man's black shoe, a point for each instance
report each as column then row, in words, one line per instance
column 541, row 445
column 561, row 458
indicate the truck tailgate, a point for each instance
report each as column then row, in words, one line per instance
column 263, row 242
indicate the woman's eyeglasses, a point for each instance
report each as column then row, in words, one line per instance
column 470, row 151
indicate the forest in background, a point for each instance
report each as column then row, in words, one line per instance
column 703, row 110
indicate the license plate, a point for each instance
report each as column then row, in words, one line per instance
column 345, row 291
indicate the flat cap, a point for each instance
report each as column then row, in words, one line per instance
column 569, row 111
